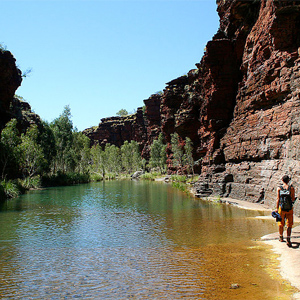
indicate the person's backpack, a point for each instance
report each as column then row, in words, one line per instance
column 286, row 203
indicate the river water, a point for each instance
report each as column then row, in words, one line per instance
column 131, row 240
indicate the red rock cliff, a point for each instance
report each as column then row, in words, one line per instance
column 260, row 143
column 10, row 80
column 143, row 127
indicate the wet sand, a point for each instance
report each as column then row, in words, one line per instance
column 288, row 257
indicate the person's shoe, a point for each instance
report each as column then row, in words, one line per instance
column 288, row 242
column 281, row 238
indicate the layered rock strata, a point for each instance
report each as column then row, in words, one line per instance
column 143, row 126
column 261, row 142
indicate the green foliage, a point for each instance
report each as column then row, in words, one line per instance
column 188, row 156
column 122, row 112
column 113, row 158
column 179, row 182
column 9, row 149
column 177, row 151
column 178, row 178
column 46, row 140
column 62, row 128
column 32, row 156
column 131, row 157
column 179, row 185
column 80, row 152
column 56, row 152
column 110, row 176
column 10, row 189
column 62, row 179
column 147, row 176
column 158, row 155
column 107, row 162
column 30, row 182
column 96, row 177
column 182, row 155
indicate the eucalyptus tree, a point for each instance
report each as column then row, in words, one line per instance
column 96, row 153
column 10, row 150
column 32, row 157
column 113, row 158
column 188, row 155
column 122, row 112
column 131, row 157
column 62, row 128
column 81, row 152
column 158, row 155
column 177, row 151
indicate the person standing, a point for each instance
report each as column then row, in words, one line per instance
column 284, row 206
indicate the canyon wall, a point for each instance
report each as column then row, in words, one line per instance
column 10, row 80
column 12, row 106
column 143, row 126
column 239, row 106
column 260, row 143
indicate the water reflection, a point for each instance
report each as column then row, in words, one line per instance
column 121, row 240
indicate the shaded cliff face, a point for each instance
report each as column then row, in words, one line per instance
column 10, row 80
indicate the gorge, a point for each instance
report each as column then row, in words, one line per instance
column 239, row 106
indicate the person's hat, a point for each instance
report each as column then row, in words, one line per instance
column 277, row 216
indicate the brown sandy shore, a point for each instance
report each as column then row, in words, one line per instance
column 289, row 258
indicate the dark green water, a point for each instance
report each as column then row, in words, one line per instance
column 129, row 240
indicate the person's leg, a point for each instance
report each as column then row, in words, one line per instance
column 289, row 223
column 280, row 233
column 281, row 224
column 288, row 239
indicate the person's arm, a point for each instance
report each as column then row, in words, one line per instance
column 278, row 197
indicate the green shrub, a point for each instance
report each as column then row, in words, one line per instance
column 147, row 176
column 30, row 183
column 110, row 176
column 178, row 178
column 96, row 177
column 179, row 185
column 10, row 189
column 63, row 179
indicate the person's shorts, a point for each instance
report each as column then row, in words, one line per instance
column 288, row 215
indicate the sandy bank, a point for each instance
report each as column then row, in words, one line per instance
column 289, row 258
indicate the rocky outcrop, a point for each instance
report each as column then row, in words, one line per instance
column 10, row 80
column 116, row 130
column 142, row 126
column 21, row 110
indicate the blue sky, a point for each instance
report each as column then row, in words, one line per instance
column 99, row 56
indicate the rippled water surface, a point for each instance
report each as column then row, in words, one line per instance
column 131, row 240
